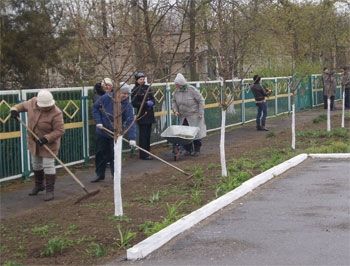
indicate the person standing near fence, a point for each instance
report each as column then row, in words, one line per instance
column 260, row 94
column 103, row 112
column 329, row 88
column 143, row 100
column 188, row 104
column 45, row 119
column 345, row 83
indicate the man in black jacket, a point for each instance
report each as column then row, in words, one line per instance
column 259, row 94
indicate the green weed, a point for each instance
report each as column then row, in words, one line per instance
column 124, row 237
column 97, row 250
column 155, row 197
column 56, row 245
column 196, row 196
column 150, row 228
column 211, row 166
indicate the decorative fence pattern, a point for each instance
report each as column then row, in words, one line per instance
column 78, row 143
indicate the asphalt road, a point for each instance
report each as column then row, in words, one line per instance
column 299, row 218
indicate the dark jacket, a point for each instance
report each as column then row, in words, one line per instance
column 259, row 92
column 147, row 113
column 103, row 113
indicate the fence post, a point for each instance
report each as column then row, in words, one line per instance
column 86, row 148
column 311, row 90
column 25, row 156
column 243, row 102
column 168, row 104
column 276, row 97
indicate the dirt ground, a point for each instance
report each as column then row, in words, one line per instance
column 89, row 232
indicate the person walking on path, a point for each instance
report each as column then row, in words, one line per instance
column 45, row 119
column 329, row 88
column 259, row 94
column 345, row 83
column 143, row 100
column 103, row 113
column 188, row 104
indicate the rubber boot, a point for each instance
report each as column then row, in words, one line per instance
column 197, row 150
column 263, row 127
column 258, row 126
column 50, row 186
column 39, row 183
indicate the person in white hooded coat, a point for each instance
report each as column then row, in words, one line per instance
column 188, row 104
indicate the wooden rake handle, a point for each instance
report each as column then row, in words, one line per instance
column 53, row 154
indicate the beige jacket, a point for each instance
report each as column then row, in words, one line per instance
column 48, row 124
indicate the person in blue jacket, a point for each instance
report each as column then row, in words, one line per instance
column 103, row 112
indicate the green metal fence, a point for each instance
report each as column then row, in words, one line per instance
column 78, row 143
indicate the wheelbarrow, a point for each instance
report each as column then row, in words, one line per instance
column 179, row 136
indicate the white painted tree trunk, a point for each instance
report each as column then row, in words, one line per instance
column 328, row 115
column 222, row 143
column 293, row 126
column 118, row 203
column 343, row 112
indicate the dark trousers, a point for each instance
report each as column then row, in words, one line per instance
column 145, row 139
column 262, row 112
column 326, row 102
column 104, row 154
column 347, row 97
column 197, row 143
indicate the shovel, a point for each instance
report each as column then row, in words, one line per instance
column 158, row 158
column 88, row 194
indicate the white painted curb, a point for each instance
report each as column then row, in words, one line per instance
column 330, row 156
column 155, row 241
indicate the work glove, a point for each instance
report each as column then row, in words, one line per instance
column 99, row 125
column 150, row 103
column 14, row 114
column 132, row 143
column 42, row 141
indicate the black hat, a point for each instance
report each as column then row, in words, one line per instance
column 325, row 68
column 256, row 79
column 98, row 89
column 345, row 68
column 139, row 75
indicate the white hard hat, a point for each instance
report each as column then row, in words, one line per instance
column 45, row 99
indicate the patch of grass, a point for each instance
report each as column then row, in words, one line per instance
column 119, row 218
column 211, row 166
column 270, row 134
column 12, row 263
column 41, row 231
column 231, row 182
column 319, row 119
column 97, row 250
column 56, row 245
column 335, row 147
column 150, row 228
